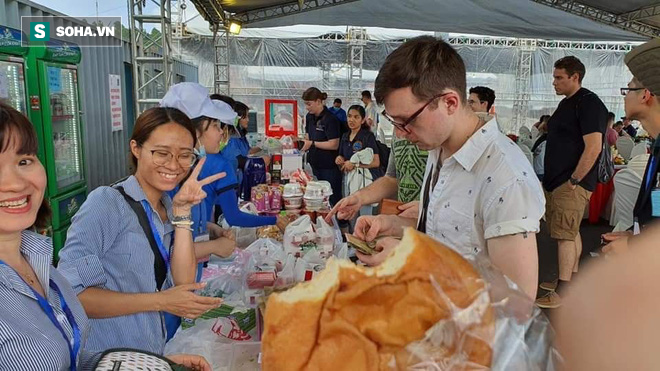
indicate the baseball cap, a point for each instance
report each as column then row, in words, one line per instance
column 644, row 63
column 193, row 99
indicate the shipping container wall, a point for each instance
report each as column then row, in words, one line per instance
column 106, row 151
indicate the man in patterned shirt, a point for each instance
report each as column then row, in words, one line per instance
column 480, row 195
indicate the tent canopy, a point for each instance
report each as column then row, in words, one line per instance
column 513, row 18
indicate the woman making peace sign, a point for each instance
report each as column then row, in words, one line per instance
column 128, row 269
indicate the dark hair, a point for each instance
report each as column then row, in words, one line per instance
column 485, row 95
column 425, row 64
column 361, row 112
column 314, row 94
column 199, row 121
column 17, row 132
column 241, row 109
column 366, row 94
column 617, row 124
column 572, row 65
column 544, row 118
column 227, row 99
column 611, row 116
column 337, row 100
column 151, row 119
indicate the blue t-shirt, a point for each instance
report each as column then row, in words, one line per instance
column 363, row 139
column 237, row 146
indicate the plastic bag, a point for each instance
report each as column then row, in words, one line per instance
column 201, row 340
column 325, row 237
column 287, row 142
column 522, row 338
column 244, row 236
column 309, row 265
column 266, row 255
column 271, row 146
column 299, row 236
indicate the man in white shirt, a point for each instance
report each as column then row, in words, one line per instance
column 480, row 194
column 371, row 110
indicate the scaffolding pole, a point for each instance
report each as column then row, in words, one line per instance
column 221, row 72
column 523, row 81
column 150, row 53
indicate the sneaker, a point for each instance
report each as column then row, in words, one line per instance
column 549, row 286
column 550, row 300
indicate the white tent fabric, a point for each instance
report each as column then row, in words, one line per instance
column 514, row 18
column 626, row 188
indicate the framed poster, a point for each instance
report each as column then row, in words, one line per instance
column 281, row 117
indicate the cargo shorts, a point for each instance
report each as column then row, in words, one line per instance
column 564, row 211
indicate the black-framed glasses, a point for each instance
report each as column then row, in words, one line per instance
column 625, row 91
column 162, row 157
column 402, row 125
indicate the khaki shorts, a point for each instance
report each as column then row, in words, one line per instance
column 564, row 211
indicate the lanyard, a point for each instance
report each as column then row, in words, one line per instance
column 73, row 344
column 161, row 247
column 651, row 173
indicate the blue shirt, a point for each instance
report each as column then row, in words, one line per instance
column 106, row 248
column 339, row 113
column 237, row 146
column 28, row 339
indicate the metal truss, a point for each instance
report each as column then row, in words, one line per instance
column 507, row 42
column 211, row 11
column 221, row 72
column 642, row 13
column 526, row 49
column 357, row 39
column 283, row 10
column 602, row 16
column 150, row 55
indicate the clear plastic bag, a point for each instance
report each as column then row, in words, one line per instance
column 244, row 236
column 299, row 236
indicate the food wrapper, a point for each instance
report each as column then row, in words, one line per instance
column 271, row 231
column 300, row 176
column 260, row 197
column 275, row 193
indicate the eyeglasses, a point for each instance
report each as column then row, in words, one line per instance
column 624, row 91
column 162, row 158
column 402, row 125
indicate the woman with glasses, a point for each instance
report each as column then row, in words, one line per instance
column 129, row 252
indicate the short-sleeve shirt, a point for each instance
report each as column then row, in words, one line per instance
column 583, row 113
column 363, row 139
column 107, row 248
column 487, row 189
column 322, row 128
column 28, row 339
column 407, row 164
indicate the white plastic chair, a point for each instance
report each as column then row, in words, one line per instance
column 528, row 152
column 638, row 149
column 626, row 188
column 638, row 164
column 625, row 146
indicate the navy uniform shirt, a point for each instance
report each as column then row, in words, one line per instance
column 322, row 128
column 363, row 139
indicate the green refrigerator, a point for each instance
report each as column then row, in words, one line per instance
column 54, row 95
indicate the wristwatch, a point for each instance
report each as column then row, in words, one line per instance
column 574, row 181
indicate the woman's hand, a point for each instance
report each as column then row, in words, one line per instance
column 384, row 247
column 339, row 161
column 223, row 247
column 348, row 166
column 191, row 361
column 191, row 192
column 182, row 302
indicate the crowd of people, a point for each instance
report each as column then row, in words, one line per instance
column 131, row 262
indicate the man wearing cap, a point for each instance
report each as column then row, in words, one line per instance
column 642, row 103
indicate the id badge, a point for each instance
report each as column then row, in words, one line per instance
column 655, row 203
column 203, row 238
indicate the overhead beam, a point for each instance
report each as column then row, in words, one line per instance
column 601, row 16
column 642, row 13
column 211, row 11
column 277, row 11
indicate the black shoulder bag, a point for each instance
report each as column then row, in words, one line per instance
column 160, row 268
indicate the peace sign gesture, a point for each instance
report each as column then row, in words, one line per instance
column 191, row 192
